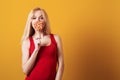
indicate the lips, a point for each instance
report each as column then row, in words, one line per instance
column 38, row 25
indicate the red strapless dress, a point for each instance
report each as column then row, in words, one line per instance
column 46, row 61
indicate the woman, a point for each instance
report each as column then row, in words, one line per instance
column 41, row 50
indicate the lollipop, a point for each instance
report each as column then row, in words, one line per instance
column 38, row 25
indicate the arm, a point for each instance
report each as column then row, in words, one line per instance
column 60, row 58
column 28, row 62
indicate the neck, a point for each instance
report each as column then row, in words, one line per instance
column 38, row 34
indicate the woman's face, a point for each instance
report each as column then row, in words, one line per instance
column 38, row 21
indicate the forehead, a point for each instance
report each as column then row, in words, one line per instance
column 38, row 13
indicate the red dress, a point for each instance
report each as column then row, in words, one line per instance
column 46, row 61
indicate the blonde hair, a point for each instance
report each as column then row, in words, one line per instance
column 29, row 31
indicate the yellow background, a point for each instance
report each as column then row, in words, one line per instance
column 90, row 31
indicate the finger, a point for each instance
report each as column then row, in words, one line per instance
column 38, row 38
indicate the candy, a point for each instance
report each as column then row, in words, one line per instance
column 38, row 25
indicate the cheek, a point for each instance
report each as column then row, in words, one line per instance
column 33, row 22
column 44, row 23
column 42, row 20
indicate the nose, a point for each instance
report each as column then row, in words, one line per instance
column 38, row 19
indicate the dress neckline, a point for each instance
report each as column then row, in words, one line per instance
column 46, row 45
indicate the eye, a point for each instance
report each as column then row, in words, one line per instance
column 33, row 17
column 41, row 18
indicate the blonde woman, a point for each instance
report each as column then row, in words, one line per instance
column 41, row 50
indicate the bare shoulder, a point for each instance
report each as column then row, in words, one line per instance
column 26, row 43
column 57, row 38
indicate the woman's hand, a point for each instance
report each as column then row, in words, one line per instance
column 42, row 41
column 37, row 43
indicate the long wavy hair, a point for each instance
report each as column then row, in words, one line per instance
column 29, row 31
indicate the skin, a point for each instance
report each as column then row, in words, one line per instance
column 41, row 40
